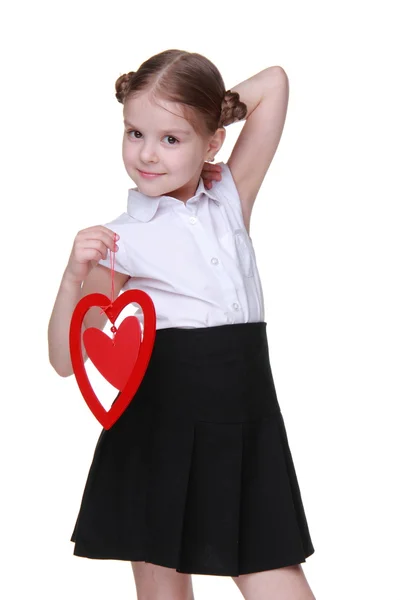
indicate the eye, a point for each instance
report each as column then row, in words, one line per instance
column 171, row 137
column 134, row 132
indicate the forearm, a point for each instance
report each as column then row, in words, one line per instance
column 251, row 91
column 69, row 294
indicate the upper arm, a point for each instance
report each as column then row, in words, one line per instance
column 99, row 281
column 258, row 141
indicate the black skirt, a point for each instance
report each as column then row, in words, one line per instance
column 197, row 473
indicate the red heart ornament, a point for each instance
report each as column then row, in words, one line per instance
column 108, row 418
column 114, row 358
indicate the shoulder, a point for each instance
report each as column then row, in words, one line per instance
column 226, row 192
column 120, row 221
column 121, row 225
column 226, row 186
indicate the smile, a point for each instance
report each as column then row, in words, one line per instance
column 149, row 175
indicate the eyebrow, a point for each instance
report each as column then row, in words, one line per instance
column 173, row 129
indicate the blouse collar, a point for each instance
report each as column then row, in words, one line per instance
column 144, row 207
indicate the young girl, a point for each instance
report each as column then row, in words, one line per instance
column 196, row 476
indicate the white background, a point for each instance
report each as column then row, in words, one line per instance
column 325, row 228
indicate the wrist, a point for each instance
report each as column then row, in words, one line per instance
column 70, row 282
column 252, row 90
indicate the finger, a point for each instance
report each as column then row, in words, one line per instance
column 94, row 244
column 111, row 234
column 209, row 168
column 212, row 177
column 213, row 167
column 98, row 230
column 98, row 234
column 90, row 254
column 215, row 175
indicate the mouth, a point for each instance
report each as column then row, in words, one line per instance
column 149, row 175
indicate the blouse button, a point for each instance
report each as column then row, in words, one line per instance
column 236, row 306
column 214, row 260
column 193, row 220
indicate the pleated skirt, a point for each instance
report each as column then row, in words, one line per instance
column 197, row 474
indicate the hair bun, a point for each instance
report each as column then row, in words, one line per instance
column 232, row 109
column 122, row 85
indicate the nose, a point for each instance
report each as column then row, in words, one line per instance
column 148, row 152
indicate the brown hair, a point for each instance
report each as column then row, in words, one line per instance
column 189, row 79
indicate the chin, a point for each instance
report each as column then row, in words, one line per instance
column 151, row 193
column 150, row 189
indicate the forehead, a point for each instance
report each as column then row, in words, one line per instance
column 146, row 111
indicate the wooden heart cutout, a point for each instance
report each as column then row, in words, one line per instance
column 108, row 418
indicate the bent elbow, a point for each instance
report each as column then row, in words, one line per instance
column 62, row 370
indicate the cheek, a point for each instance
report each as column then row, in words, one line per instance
column 188, row 157
column 126, row 146
column 124, row 149
column 128, row 153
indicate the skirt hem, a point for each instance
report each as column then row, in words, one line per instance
column 194, row 570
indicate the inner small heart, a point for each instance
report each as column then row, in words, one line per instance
column 115, row 358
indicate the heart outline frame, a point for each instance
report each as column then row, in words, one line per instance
column 108, row 418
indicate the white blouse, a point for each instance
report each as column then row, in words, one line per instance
column 196, row 260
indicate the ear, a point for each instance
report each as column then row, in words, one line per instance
column 216, row 141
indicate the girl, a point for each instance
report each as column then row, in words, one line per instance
column 196, row 476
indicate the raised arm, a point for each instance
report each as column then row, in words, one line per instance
column 266, row 95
